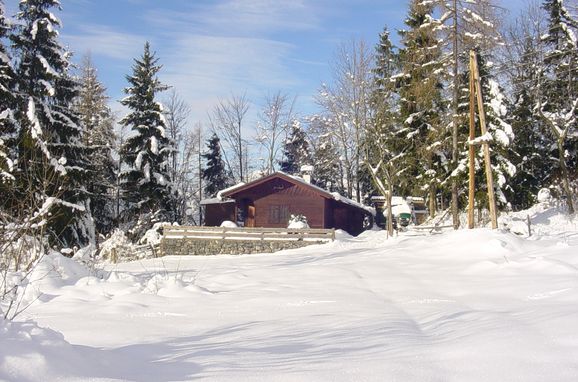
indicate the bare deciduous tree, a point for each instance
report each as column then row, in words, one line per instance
column 176, row 112
column 186, row 180
column 24, row 231
column 227, row 121
column 274, row 122
column 346, row 102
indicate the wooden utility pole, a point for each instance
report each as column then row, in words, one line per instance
column 485, row 143
column 472, row 149
column 200, row 169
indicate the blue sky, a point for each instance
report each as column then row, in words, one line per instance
column 211, row 49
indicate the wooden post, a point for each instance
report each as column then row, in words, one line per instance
column 486, row 147
column 200, row 178
column 472, row 149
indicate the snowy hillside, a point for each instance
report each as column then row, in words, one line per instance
column 462, row 306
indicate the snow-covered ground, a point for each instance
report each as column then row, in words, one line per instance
column 475, row 305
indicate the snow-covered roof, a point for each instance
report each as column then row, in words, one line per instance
column 395, row 200
column 225, row 190
column 204, row 202
column 330, row 195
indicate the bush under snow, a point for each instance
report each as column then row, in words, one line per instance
column 298, row 222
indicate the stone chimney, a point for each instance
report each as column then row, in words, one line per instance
column 307, row 172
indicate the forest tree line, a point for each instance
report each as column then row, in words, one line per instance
column 391, row 119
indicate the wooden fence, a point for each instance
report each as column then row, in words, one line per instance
column 242, row 233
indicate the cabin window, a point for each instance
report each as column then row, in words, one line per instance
column 279, row 214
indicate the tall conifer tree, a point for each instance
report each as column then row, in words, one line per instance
column 295, row 150
column 421, row 104
column 146, row 182
column 98, row 125
column 7, row 124
column 533, row 142
column 51, row 154
column 215, row 172
column 557, row 102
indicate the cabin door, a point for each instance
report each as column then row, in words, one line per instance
column 250, row 221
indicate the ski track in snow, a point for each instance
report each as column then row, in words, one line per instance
column 463, row 306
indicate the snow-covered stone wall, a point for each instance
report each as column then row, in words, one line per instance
column 203, row 247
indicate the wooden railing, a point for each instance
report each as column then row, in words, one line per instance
column 242, row 233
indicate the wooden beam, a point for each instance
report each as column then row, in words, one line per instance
column 486, row 147
column 472, row 149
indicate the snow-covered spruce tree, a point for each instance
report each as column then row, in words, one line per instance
column 98, row 125
column 328, row 172
column 52, row 158
column 557, row 100
column 498, row 118
column 533, row 143
column 215, row 172
column 146, row 182
column 295, row 150
column 499, row 135
column 8, row 128
column 382, row 136
column 422, row 106
column 466, row 24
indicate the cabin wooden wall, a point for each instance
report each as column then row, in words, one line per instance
column 347, row 218
column 217, row 213
column 279, row 198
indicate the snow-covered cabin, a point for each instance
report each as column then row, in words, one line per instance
column 271, row 200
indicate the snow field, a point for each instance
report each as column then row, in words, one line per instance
column 467, row 305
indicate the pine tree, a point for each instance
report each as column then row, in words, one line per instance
column 466, row 25
column 295, row 150
column 146, row 183
column 386, row 62
column 51, row 155
column 383, row 103
column 557, row 102
column 215, row 173
column 97, row 121
column 327, row 171
column 421, row 104
column 7, row 124
column 498, row 111
column 533, row 143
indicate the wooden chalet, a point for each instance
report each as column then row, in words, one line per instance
column 270, row 201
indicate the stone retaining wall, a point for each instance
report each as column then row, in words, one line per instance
column 195, row 246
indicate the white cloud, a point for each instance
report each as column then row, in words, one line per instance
column 228, row 47
column 105, row 41
column 239, row 17
column 214, row 49
column 204, row 69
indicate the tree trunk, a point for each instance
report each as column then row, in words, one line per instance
column 565, row 181
column 240, row 154
column 389, row 213
column 432, row 201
